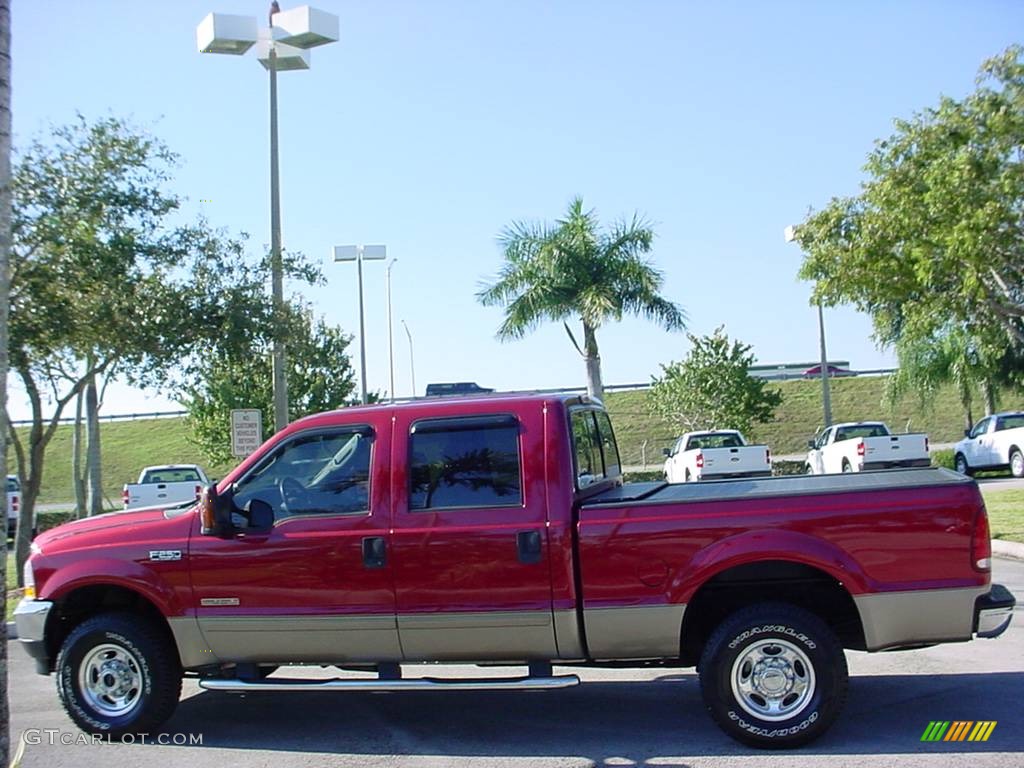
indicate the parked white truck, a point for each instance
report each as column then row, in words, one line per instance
column 13, row 500
column 717, row 454
column 995, row 442
column 865, row 445
column 165, row 485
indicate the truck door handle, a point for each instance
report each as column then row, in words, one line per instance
column 374, row 552
column 528, row 546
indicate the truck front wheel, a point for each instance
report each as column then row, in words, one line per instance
column 773, row 676
column 117, row 674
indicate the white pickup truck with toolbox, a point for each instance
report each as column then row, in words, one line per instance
column 717, row 454
column 995, row 442
column 865, row 445
column 165, row 485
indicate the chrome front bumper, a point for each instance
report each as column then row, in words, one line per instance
column 30, row 619
column 993, row 612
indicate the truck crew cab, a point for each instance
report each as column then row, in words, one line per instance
column 497, row 528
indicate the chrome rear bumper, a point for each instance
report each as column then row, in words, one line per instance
column 993, row 612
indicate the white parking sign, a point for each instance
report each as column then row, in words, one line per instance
column 246, row 431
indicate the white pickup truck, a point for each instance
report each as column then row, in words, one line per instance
column 165, row 485
column 715, row 455
column 13, row 499
column 996, row 442
column 865, row 445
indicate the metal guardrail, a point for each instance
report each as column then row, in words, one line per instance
column 550, row 390
column 112, row 417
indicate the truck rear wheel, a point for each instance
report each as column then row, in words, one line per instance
column 1017, row 463
column 773, row 676
column 961, row 465
column 118, row 674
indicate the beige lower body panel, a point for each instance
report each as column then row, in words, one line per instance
column 567, row 635
column 894, row 619
column 634, row 632
column 193, row 650
column 302, row 638
column 484, row 636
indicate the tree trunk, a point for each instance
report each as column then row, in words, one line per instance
column 593, row 359
column 965, row 401
column 77, row 478
column 5, row 289
column 92, row 458
column 988, row 391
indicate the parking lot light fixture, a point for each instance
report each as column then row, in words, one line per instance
column 790, row 234
column 359, row 253
column 281, row 46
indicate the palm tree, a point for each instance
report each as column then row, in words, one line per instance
column 573, row 270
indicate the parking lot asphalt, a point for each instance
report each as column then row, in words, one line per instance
column 617, row 717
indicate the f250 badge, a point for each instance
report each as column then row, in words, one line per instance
column 164, row 555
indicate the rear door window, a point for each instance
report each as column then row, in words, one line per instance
column 468, row 462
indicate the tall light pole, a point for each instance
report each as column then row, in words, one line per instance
column 283, row 45
column 391, row 338
column 412, row 364
column 358, row 253
column 826, row 395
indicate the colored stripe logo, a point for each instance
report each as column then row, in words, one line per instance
column 959, row 730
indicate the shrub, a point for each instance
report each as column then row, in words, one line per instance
column 943, row 458
column 47, row 520
column 788, row 467
column 652, row 475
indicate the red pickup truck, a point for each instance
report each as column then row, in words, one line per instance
column 498, row 529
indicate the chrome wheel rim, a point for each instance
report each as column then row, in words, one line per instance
column 1017, row 464
column 110, row 678
column 961, row 465
column 773, row 680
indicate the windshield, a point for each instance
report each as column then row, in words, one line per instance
column 715, row 440
column 171, row 475
column 861, row 430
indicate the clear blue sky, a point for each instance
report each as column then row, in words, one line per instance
column 431, row 125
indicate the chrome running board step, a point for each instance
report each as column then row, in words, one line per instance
column 412, row 684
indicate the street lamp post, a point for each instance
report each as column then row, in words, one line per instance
column 826, row 395
column 412, row 364
column 281, row 46
column 358, row 253
column 391, row 338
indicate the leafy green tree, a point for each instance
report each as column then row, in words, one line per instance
column 712, row 388
column 102, row 277
column 935, row 239
column 320, row 378
column 575, row 270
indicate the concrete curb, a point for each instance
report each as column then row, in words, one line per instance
column 1008, row 549
column 12, row 631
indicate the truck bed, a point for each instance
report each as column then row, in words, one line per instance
column 788, row 485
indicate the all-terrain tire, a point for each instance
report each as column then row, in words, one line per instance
column 773, row 676
column 118, row 673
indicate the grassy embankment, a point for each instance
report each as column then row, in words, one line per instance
column 853, row 399
column 130, row 445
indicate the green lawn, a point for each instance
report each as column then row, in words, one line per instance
column 130, row 445
column 127, row 447
column 13, row 595
column 1005, row 514
column 853, row 399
